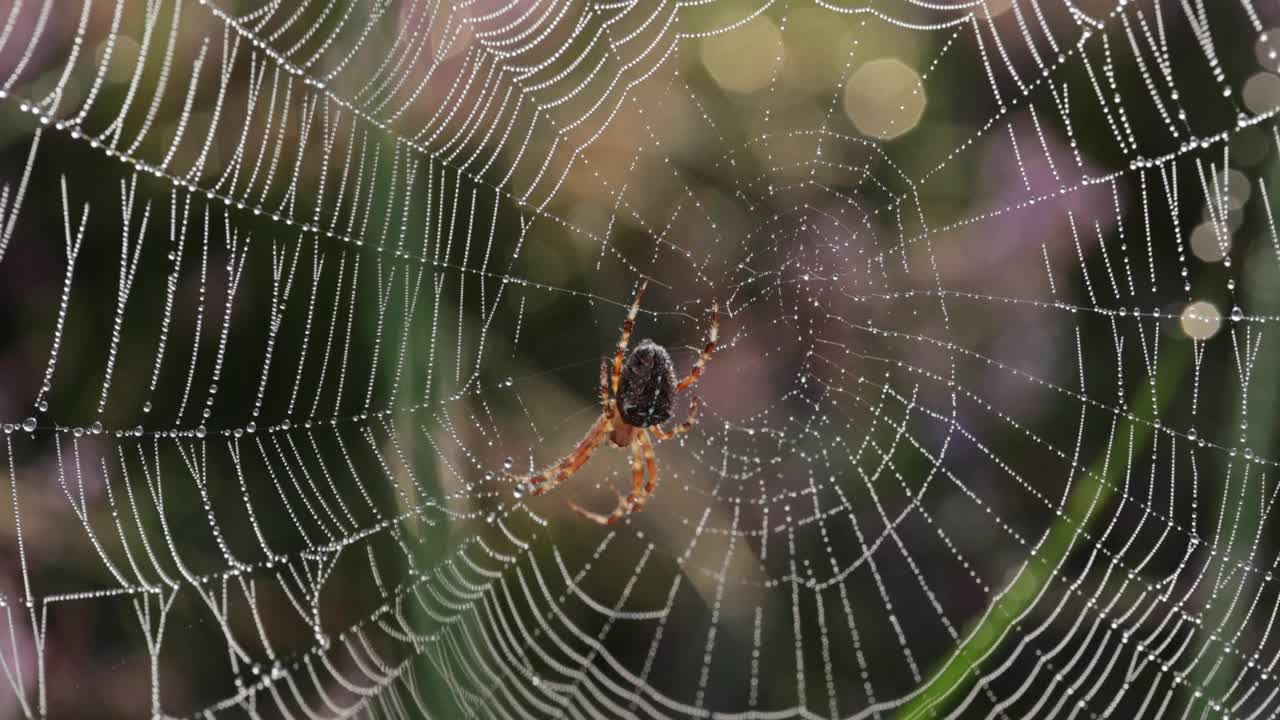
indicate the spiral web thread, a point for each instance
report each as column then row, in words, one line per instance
column 284, row 358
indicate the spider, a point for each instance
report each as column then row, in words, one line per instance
column 636, row 397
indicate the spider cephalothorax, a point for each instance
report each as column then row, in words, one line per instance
column 636, row 396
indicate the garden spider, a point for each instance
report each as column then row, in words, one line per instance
column 637, row 396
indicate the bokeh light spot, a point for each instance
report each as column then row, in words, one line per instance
column 1201, row 320
column 1238, row 188
column 884, row 98
column 1262, row 92
column 744, row 60
column 1207, row 244
column 996, row 7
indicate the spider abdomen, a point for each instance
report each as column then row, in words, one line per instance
column 647, row 388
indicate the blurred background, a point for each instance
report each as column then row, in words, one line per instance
column 291, row 291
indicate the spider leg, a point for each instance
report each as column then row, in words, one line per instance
column 627, row 327
column 706, row 351
column 624, row 503
column 548, row 479
column 652, row 462
column 661, row 434
column 604, row 387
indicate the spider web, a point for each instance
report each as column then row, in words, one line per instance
column 291, row 287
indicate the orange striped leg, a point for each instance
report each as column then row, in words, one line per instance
column 624, row 504
column 627, row 327
column 604, row 387
column 647, row 448
column 548, row 479
column 706, row 351
column 661, row 434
